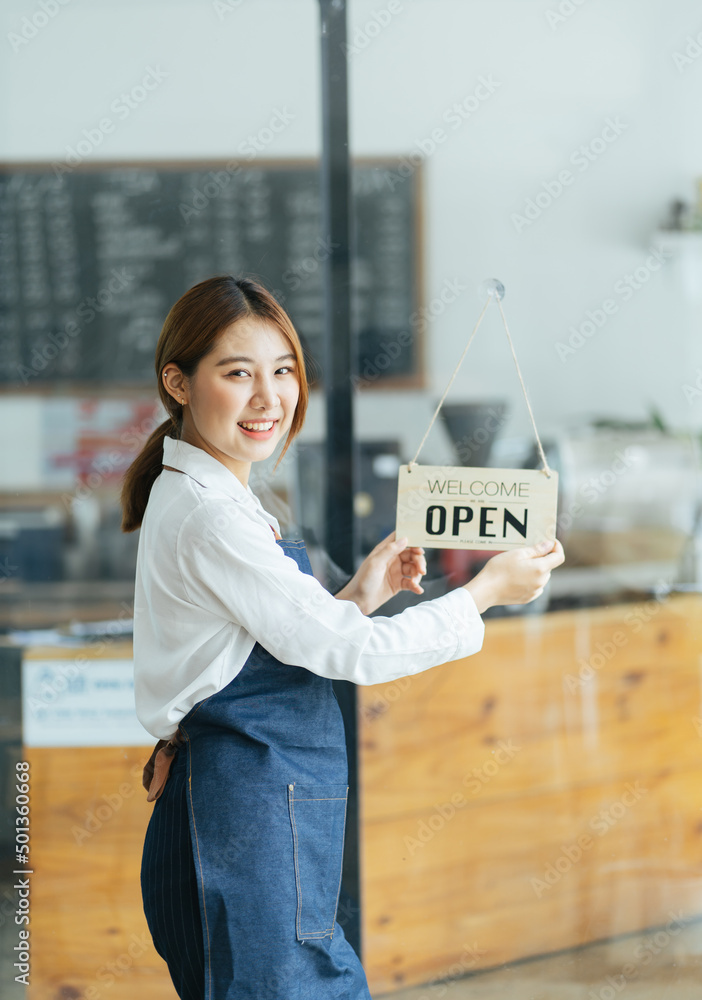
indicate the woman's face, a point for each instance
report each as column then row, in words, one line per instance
column 241, row 401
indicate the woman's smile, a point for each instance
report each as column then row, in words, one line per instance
column 261, row 430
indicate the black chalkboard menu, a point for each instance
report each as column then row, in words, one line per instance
column 92, row 258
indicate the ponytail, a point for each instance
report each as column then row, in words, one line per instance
column 141, row 476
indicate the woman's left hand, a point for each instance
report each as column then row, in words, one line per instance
column 390, row 567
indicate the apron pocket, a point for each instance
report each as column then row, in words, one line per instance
column 317, row 817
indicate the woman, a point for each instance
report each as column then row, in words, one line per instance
column 235, row 648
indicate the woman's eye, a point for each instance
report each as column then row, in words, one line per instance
column 242, row 371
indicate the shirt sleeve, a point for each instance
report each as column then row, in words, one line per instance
column 231, row 566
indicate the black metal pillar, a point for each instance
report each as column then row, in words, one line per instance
column 339, row 355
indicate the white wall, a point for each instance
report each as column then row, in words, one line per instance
column 232, row 64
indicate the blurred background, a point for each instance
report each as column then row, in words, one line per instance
column 552, row 144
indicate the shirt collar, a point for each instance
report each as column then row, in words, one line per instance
column 206, row 470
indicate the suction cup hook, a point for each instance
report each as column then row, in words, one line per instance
column 492, row 287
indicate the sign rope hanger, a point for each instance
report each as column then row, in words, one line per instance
column 466, row 507
column 496, row 292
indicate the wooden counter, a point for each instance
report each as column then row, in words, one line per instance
column 89, row 937
column 477, row 780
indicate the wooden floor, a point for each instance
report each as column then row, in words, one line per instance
column 655, row 966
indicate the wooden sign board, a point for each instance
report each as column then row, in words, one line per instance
column 458, row 507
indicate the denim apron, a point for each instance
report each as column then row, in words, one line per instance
column 241, row 867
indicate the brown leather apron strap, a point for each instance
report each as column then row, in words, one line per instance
column 157, row 767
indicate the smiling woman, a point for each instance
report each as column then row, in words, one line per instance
column 238, row 415
column 207, row 331
column 236, row 645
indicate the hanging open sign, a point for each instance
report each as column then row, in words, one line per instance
column 458, row 507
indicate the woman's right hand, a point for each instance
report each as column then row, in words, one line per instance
column 515, row 577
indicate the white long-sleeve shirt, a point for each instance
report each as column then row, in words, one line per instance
column 211, row 581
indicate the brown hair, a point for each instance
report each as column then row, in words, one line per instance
column 189, row 333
